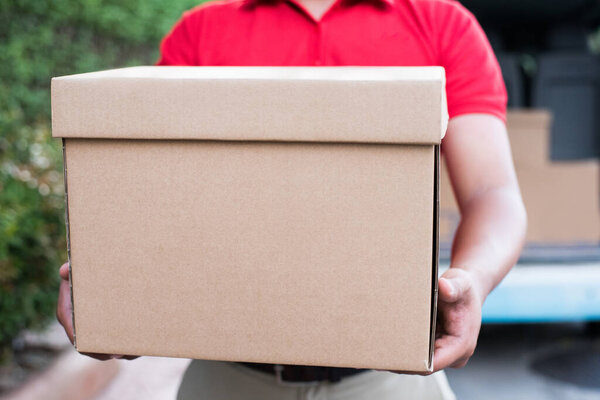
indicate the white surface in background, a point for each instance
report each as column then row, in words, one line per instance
column 148, row 378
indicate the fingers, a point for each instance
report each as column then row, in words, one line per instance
column 98, row 356
column 105, row 357
column 424, row 373
column 459, row 319
column 64, row 271
column 64, row 308
column 449, row 352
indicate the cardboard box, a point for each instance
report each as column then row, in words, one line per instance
column 562, row 198
column 261, row 214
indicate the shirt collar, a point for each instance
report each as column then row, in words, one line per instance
column 256, row 2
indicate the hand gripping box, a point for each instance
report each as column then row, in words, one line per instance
column 263, row 214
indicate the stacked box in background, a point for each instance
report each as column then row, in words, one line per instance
column 562, row 197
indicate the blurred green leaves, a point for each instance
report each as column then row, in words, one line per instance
column 40, row 39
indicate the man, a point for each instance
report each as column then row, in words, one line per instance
column 476, row 151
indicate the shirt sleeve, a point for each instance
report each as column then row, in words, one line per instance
column 179, row 46
column 474, row 81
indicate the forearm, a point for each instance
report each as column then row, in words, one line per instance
column 490, row 237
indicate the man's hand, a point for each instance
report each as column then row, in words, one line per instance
column 489, row 237
column 459, row 319
column 64, row 310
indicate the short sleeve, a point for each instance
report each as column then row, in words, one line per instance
column 180, row 45
column 474, row 81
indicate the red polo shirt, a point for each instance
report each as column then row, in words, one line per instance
column 351, row 32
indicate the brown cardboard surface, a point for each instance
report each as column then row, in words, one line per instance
column 255, row 252
column 563, row 203
column 199, row 102
column 295, row 252
column 562, row 198
column 529, row 132
column 449, row 213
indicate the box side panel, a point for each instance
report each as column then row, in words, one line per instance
column 262, row 252
column 68, row 233
column 435, row 252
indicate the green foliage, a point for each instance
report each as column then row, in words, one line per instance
column 40, row 39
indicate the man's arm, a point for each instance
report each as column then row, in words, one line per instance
column 490, row 235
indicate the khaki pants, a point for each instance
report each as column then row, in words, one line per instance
column 215, row 380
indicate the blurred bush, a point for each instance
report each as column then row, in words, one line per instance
column 40, row 39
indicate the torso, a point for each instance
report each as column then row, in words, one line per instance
column 283, row 33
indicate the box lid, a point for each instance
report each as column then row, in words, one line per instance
column 363, row 104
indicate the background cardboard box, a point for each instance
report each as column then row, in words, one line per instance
column 562, row 198
column 280, row 215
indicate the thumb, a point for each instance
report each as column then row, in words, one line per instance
column 64, row 271
column 453, row 288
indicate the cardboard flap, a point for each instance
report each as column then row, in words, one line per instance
column 302, row 104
